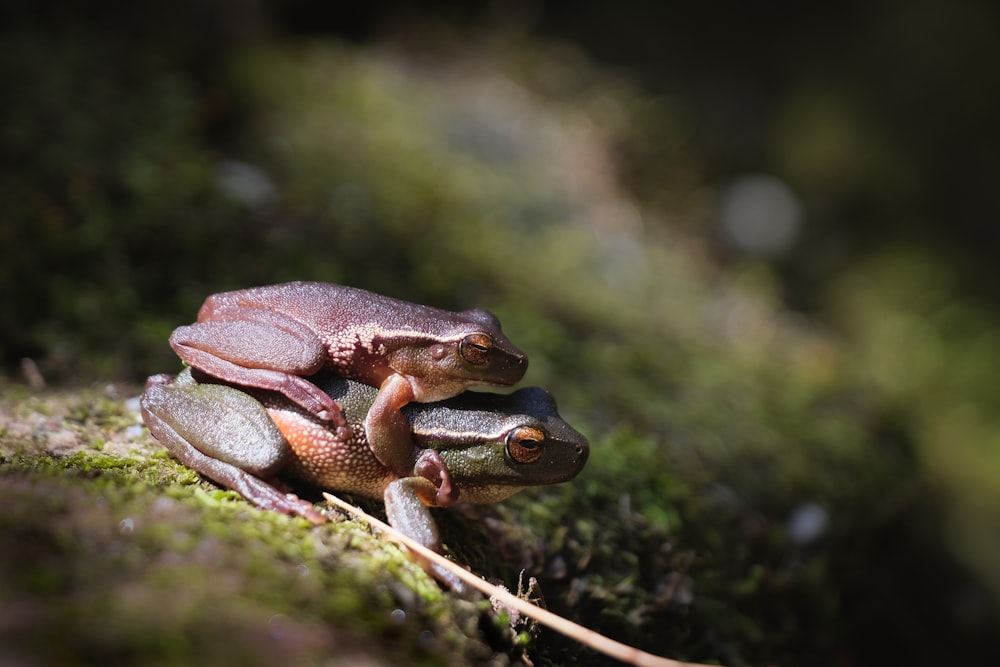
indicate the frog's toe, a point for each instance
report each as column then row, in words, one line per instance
column 431, row 467
column 313, row 516
column 447, row 495
column 294, row 505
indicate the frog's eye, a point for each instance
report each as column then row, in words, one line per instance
column 524, row 444
column 475, row 348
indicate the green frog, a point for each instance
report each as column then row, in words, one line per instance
column 247, row 440
column 275, row 337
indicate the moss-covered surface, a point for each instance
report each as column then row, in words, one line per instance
column 763, row 488
column 126, row 556
column 114, row 553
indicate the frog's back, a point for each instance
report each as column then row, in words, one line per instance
column 297, row 298
column 330, row 307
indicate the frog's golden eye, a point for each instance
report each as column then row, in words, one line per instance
column 475, row 348
column 524, row 444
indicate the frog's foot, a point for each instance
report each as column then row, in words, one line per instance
column 276, row 495
column 313, row 399
column 295, row 388
column 264, row 494
column 292, row 504
column 430, row 466
column 295, row 505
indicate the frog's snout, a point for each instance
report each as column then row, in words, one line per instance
column 514, row 365
column 581, row 453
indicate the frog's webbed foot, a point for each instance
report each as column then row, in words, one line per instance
column 292, row 504
column 431, row 467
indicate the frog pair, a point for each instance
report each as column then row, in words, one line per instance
column 346, row 389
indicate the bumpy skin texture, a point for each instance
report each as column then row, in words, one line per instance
column 493, row 444
column 274, row 337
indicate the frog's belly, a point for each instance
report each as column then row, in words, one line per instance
column 329, row 458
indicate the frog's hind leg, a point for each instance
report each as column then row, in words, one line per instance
column 258, row 491
column 409, row 514
column 263, row 349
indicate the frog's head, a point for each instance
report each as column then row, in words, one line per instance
column 495, row 444
column 465, row 349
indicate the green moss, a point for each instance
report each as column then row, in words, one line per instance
column 134, row 557
column 168, row 574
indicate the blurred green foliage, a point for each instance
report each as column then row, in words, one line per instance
column 934, row 355
column 161, row 163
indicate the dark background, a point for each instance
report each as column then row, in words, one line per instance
column 881, row 116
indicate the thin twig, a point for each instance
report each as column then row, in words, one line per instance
column 615, row 649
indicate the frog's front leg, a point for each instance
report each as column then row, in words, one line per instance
column 391, row 441
column 259, row 348
column 225, row 435
column 410, row 515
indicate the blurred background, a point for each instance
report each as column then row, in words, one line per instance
column 751, row 249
